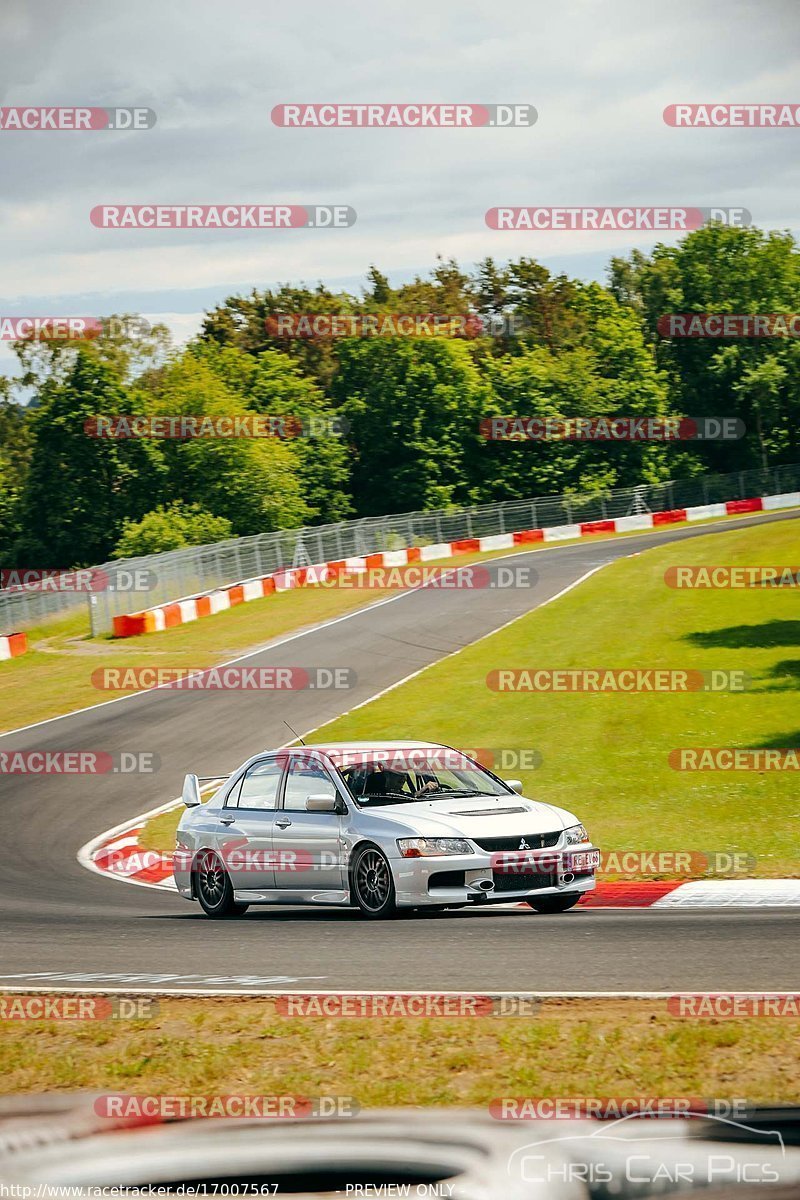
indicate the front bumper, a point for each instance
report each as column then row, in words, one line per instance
column 499, row 878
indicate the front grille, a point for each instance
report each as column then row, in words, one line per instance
column 528, row 882
column 535, row 841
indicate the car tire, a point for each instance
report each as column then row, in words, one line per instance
column 372, row 884
column 213, row 888
column 553, row 904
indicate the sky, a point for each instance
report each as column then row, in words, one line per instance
column 599, row 72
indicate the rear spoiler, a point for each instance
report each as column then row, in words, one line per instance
column 191, row 787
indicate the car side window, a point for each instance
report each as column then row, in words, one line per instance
column 259, row 786
column 305, row 779
column 232, row 798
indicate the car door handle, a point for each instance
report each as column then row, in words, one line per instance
column 227, row 820
column 283, row 823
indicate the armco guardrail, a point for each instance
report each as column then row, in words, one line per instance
column 140, row 583
column 191, row 608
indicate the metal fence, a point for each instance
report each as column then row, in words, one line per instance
column 180, row 573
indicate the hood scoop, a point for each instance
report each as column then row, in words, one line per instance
column 486, row 812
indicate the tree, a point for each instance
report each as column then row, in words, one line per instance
column 251, row 481
column 170, row 527
column 758, row 390
column 272, row 383
column 16, row 443
column 611, row 373
column 241, row 322
column 79, row 489
column 717, row 269
column 413, row 407
column 127, row 344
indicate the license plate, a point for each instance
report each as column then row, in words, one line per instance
column 582, row 860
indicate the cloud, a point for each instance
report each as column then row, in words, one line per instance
column 599, row 75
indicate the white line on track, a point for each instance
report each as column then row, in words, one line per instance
column 479, row 991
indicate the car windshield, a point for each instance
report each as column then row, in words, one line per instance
column 397, row 777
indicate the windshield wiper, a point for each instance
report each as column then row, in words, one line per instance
column 381, row 795
column 471, row 792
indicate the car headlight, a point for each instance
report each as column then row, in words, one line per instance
column 576, row 834
column 433, row 847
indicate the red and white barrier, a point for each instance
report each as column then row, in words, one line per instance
column 12, row 645
column 152, row 620
column 120, row 856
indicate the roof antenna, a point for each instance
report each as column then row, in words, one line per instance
column 297, row 735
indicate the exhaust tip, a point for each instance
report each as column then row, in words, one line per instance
column 481, row 885
column 568, row 878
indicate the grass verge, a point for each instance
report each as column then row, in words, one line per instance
column 606, row 1048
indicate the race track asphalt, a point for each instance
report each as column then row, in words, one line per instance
column 60, row 922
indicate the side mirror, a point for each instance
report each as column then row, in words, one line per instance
column 191, row 791
column 322, row 802
column 514, row 784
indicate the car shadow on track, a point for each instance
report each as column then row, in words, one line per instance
column 339, row 915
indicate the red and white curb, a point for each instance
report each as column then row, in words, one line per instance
column 12, row 645
column 180, row 612
column 696, row 893
column 118, row 854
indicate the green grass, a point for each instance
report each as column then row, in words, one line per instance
column 608, row 1048
column 604, row 757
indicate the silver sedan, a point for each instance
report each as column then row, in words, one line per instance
column 379, row 825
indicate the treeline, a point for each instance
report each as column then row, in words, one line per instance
column 554, row 347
